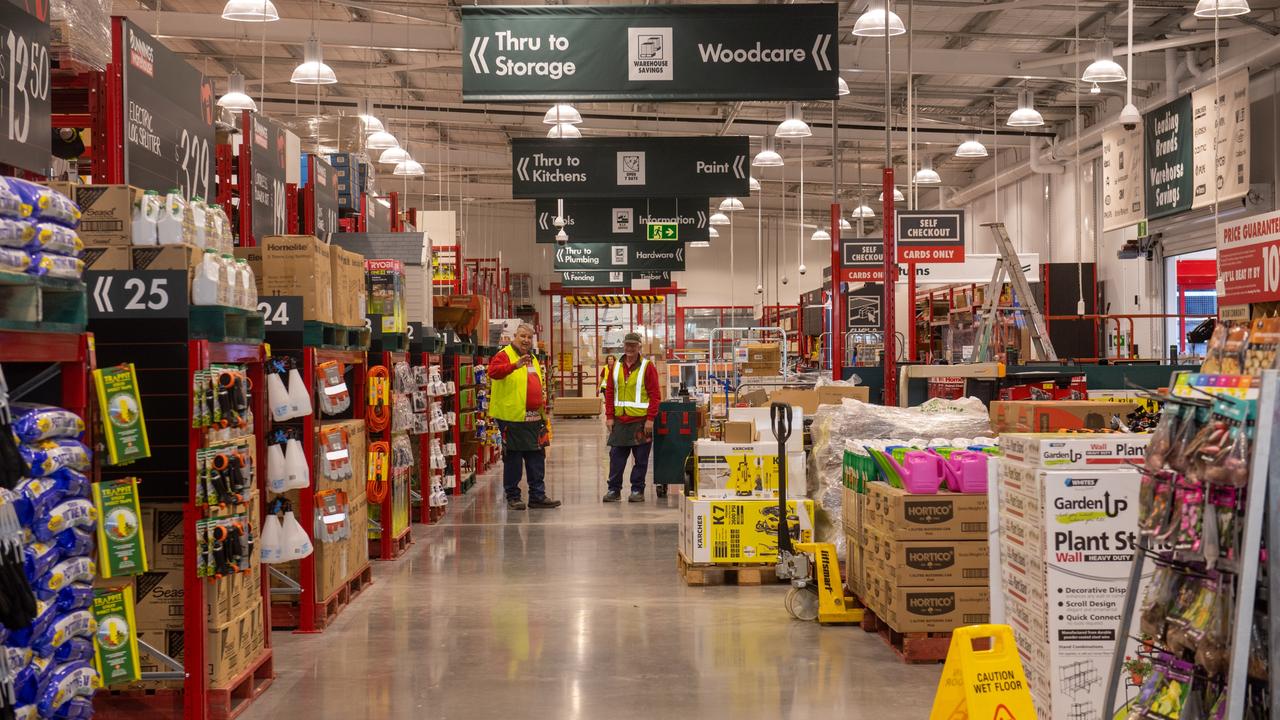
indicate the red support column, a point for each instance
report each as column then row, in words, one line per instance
column 890, row 285
column 911, row 303
column 837, row 298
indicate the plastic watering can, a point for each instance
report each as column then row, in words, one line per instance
column 919, row 472
column 966, row 471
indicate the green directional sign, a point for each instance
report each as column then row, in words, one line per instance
column 664, row 231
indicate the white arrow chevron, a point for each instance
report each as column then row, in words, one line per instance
column 737, row 166
column 542, row 221
column 820, row 44
column 522, row 169
column 478, row 47
column 679, row 254
column 101, row 293
column 559, row 254
column 702, row 219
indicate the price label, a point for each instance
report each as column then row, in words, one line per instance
column 281, row 313
column 124, row 294
column 24, row 92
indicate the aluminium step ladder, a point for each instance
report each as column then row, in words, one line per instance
column 1008, row 268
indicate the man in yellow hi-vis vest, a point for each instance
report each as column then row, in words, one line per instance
column 631, row 396
column 516, row 402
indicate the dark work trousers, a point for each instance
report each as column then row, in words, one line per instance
column 521, row 449
column 618, row 463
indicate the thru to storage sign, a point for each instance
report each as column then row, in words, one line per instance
column 24, row 92
column 1249, row 260
column 630, row 167
column 930, row 236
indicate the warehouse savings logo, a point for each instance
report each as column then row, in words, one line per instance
column 650, row 54
column 142, row 55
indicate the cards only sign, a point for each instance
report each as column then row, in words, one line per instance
column 603, row 256
column 862, row 260
column 1249, row 260
column 622, row 220
column 930, row 236
column 645, row 53
column 630, row 167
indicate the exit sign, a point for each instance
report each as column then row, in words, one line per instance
column 664, row 231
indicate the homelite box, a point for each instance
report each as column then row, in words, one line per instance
column 299, row 265
column 736, row 532
column 1064, row 450
column 927, row 562
column 899, row 515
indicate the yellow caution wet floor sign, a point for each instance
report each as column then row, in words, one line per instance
column 983, row 684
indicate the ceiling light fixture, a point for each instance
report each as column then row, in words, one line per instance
column 926, row 175
column 394, row 156
column 878, row 21
column 236, row 99
column 731, row 205
column 250, row 11
column 862, row 212
column 794, row 126
column 844, row 224
column 1026, row 114
column 1221, row 8
column 718, row 218
column 1104, row 68
column 820, row 235
column 371, row 122
column 971, row 148
column 409, row 168
column 313, row 71
column 842, row 87
column 381, row 140
column 713, row 233
column 564, row 131
column 897, row 196
column 562, row 114
column 767, row 157
column 755, row 184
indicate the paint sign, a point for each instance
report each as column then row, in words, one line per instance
column 1123, row 203
column 630, row 167
column 1249, row 260
column 1168, row 160
column 930, row 236
column 1228, row 150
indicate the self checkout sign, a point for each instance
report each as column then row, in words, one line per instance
column 24, row 85
column 930, row 236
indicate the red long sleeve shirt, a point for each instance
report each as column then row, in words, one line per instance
column 652, row 386
column 501, row 366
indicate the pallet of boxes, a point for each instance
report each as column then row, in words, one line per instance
column 731, row 515
column 1068, row 528
column 925, row 566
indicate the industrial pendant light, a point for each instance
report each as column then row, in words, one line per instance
column 971, row 148
column 767, row 157
column 313, row 71
column 878, row 21
column 842, row 87
column 755, row 184
column 844, row 224
column 730, row 205
column 250, row 11
column 794, row 126
column 562, row 114
column 1104, row 68
column 236, row 99
column 1095, row 90
column 926, row 175
column 409, row 168
column 394, row 156
column 371, row 122
column 381, row 140
column 718, row 218
column 897, row 195
column 564, row 131
column 820, row 235
column 862, row 211
column 1026, row 114
column 699, row 243
column 1221, row 8
column 713, row 233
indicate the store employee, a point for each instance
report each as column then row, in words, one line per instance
column 517, row 404
column 631, row 395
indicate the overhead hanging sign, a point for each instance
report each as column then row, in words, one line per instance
column 862, row 260
column 622, row 220
column 1167, row 155
column 1122, row 196
column 932, row 236
column 864, row 308
column 665, row 52
column 324, row 197
column 630, row 167
column 1249, row 260
column 168, row 116
column 267, row 145
column 1229, row 148
column 24, row 93
column 631, row 256
column 974, row 269
column 614, row 278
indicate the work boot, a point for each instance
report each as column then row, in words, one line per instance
column 636, row 497
column 613, row 496
column 516, row 504
column 543, row 502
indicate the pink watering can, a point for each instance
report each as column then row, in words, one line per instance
column 966, row 471
column 920, row 471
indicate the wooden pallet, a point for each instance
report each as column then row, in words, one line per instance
column 43, row 304
column 399, row 546
column 227, row 703
column 696, row 575
column 163, row 699
column 226, row 324
column 284, row 615
column 912, row 647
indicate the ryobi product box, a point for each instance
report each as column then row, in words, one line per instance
column 385, row 284
column 727, row 470
column 938, row 608
column 739, row 532
column 899, row 515
column 299, row 265
column 911, row 563
column 1074, row 450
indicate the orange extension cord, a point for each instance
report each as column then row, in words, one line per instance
column 378, row 416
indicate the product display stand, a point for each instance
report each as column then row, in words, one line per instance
column 1264, row 484
column 460, row 364
column 389, row 544
column 428, row 351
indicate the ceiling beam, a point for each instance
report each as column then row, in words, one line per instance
column 292, row 31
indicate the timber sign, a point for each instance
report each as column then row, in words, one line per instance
column 666, row 52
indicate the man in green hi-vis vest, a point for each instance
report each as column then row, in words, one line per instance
column 517, row 403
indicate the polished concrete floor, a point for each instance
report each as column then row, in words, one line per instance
column 576, row 613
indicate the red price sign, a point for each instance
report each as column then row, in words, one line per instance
column 1249, row 260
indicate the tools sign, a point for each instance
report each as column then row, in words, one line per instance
column 646, row 53
column 630, row 167
column 24, row 95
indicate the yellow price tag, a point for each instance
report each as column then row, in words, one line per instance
column 983, row 684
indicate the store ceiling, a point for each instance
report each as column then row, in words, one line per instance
column 968, row 60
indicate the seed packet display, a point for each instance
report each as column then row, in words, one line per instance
column 1264, row 340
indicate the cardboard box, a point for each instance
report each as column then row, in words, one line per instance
column 899, row 515
column 764, row 426
column 163, row 535
column 911, row 563
column 358, row 547
column 222, row 599
column 760, row 354
column 252, row 639
column 1074, row 450
column 107, row 257
column 740, row 532
column 755, row 371
column 223, row 656
column 253, row 258
column 357, row 451
column 349, row 299
column 299, row 265
column 728, row 470
column 166, row 257
column 939, row 608
column 837, row 394
column 855, row 566
column 106, row 213
column 811, row 400
column 158, row 598
column 739, row 431
column 1048, row 416
column 573, row 406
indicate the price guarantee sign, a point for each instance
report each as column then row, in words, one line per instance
column 168, row 117
column 24, row 84
column 267, row 157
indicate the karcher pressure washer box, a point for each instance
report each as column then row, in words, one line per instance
column 739, row 532
column 744, row 470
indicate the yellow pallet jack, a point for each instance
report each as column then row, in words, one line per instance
column 817, row 590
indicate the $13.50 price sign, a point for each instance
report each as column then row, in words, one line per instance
column 1249, row 260
column 24, row 92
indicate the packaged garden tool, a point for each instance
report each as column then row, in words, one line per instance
column 331, row 516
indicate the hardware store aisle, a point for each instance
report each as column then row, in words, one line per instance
column 576, row 613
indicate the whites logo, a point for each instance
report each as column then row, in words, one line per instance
column 478, row 47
